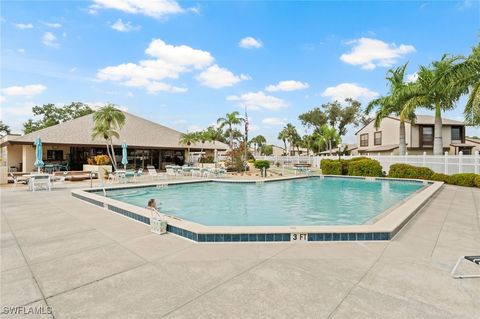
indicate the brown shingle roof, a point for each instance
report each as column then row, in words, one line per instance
column 137, row 132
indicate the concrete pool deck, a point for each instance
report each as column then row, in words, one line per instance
column 84, row 263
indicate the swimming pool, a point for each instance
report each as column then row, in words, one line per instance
column 310, row 201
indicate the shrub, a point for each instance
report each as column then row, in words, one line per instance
column 464, row 179
column 206, row 159
column 439, row 177
column 365, row 167
column 409, row 171
column 102, row 160
column 260, row 164
column 477, row 181
column 331, row 167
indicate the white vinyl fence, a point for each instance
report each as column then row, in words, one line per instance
column 446, row 164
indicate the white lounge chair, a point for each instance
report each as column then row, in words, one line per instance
column 17, row 181
column 152, row 172
column 473, row 259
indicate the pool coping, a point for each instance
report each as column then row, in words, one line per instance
column 385, row 228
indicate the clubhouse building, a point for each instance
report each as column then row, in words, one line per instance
column 70, row 144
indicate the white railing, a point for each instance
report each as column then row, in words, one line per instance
column 446, row 164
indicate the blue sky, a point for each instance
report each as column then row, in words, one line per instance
column 184, row 64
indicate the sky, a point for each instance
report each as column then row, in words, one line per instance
column 185, row 64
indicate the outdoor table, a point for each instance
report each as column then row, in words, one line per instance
column 31, row 178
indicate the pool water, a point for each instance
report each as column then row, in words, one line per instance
column 299, row 202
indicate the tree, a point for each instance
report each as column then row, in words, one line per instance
column 282, row 135
column 266, row 150
column 188, row 139
column 465, row 76
column 107, row 121
column 213, row 135
column 4, row 129
column 393, row 103
column 289, row 133
column 53, row 115
column 258, row 141
column 335, row 115
column 329, row 137
column 230, row 120
column 431, row 91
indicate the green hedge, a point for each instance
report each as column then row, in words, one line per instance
column 331, row 167
column 477, row 181
column 439, row 177
column 365, row 167
column 409, row 171
column 465, row 179
column 359, row 166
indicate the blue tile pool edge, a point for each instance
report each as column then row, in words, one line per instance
column 252, row 237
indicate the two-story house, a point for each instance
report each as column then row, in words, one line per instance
column 419, row 136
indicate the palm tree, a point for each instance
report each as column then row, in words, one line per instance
column 282, row 135
column 258, row 141
column 393, row 104
column 431, row 91
column 231, row 120
column 108, row 120
column 4, row 129
column 292, row 135
column 213, row 135
column 188, row 139
column 466, row 77
column 329, row 137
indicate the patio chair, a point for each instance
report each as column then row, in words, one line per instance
column 60, row 179
column 171, row 172
column 152, row 172
column 16, row 181
column 473, row 259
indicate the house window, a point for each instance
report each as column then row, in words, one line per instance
column 457, row 133
column 364, row 139
column 377, row 138
column 426, row 135
column 55, row 155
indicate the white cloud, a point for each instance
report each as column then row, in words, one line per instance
column 53, row 25
column 27, row 90
column 119, row 25
column 250, row 43
column 273, row 121
column 370, row 53
column 2, row 98
column 49, row 39
column 181, row 55
column 258, row 100
column 349, row 90
column 412, row 77
column 23, row 26
column 169, row 62
column 289, row 85
column 21, row 50
column 151, row 8
column 217, row 77
column 72, row 69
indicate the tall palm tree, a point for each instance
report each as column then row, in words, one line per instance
column 432, row 92
column 466, row 77
column 4, row 129
column 107, row 121
column 282, row 136
column 188, row 139
column 258, row 141
column 392, row 103
column 230, row 120
column 292, row 135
